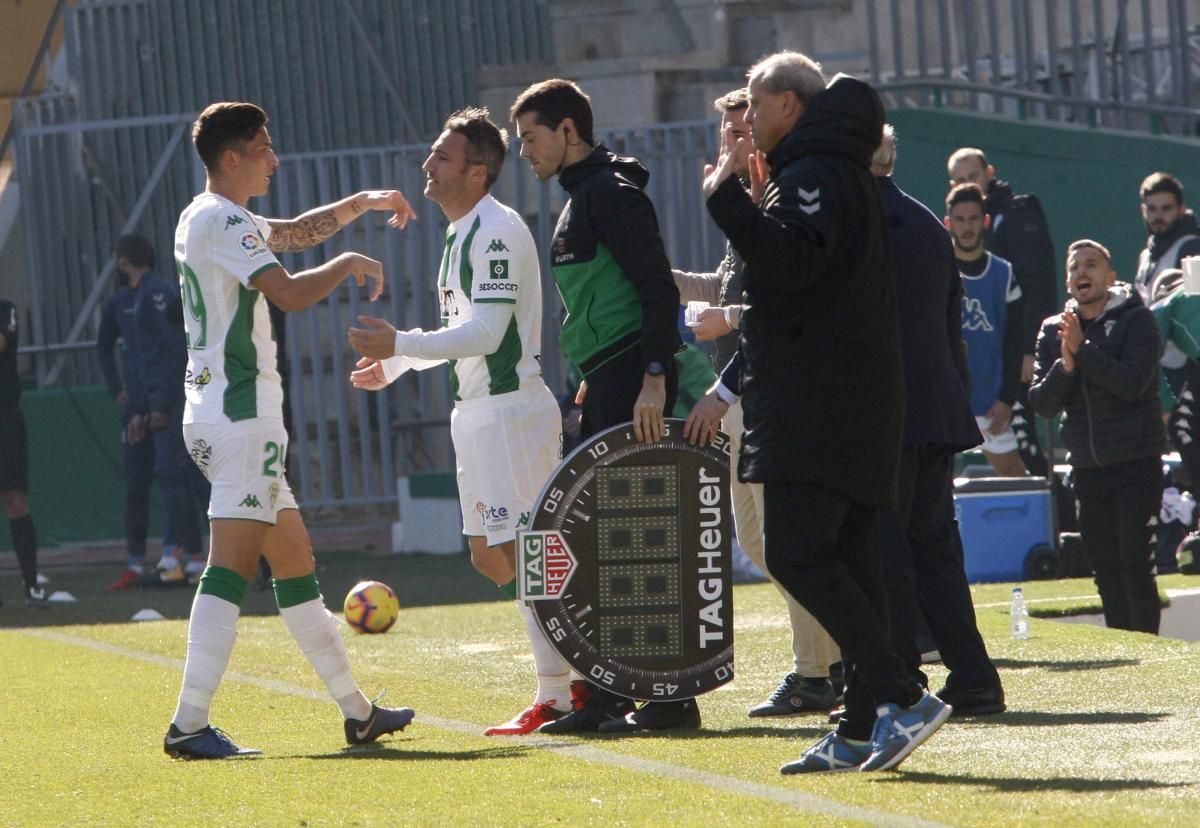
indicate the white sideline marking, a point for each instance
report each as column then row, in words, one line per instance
column 805, row 802
column 1171, row 593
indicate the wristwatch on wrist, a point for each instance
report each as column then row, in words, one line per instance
column 656, row 369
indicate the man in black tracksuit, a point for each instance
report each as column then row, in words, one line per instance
column 1019, row 234
column 822, row 386
column 921, row 547
column 14, row 458
column 1097, row 363
column 622, row 308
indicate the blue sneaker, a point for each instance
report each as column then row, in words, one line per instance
column 207, row 743
column 382, row 721
column 832, row 754
column 900, row 730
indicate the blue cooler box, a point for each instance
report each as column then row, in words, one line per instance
column 1007, row 528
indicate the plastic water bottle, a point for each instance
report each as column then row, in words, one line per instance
column 1019, row 615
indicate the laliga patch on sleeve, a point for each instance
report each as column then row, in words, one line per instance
column 253, row 245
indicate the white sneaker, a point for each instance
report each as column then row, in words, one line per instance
column 170, row 569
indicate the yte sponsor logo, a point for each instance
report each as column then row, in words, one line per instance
column 448, row 302
column 201, row 453
column 491, row 514
column 497, row 287
column 497, row 246
column 250, row 502
column 974, row 317
column 712, row 587
column 233, row 221
column 498, row 268
column 197, row 381
column 810, row 200
column 253, row 245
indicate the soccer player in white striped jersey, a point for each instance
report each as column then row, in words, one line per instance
column 506, row 426
column 233, row 420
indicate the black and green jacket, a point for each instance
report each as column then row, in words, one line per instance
column 610, row 267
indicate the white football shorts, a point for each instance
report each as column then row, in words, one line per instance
column 506, row 448
column 244, row 462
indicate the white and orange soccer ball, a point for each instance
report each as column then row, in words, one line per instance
column 371, row 607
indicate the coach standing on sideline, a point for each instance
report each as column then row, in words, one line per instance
column 921, row 548
column 822, row 386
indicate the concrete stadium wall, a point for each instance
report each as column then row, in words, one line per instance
column 1087, row 179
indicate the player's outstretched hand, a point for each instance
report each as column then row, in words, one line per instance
column 648, row 425
column 395, row 201
column 704, row 420
column 375, row 340
column 369, row 376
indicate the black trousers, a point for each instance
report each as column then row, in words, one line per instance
column 824, row 549
column 923, row 573
column 613, row 388
column 1116, row 507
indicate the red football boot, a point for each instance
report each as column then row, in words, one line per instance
column 527, row 721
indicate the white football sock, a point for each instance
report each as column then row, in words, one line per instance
column 553, row 673
column 211, row 632
column 316, row 631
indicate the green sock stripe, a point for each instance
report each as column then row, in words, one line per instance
column 290, row 592
column 509, row 589
column 224, row 584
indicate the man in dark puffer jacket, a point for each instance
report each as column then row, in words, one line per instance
column 822, row 386
column 1097, row 362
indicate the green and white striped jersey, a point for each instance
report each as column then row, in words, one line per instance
column 490, row 294
column 220, row 247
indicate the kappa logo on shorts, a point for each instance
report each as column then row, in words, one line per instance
column 250, row 502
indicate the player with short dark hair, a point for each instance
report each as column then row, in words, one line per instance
column 233, row 421
column 622, row 306
column 506, row 427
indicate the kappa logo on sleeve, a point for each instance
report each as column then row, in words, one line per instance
column 497, row 246
column 253, row 245
column 233, row 221
column 810, row 201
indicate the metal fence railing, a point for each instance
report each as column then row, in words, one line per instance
column 1111, row 63
column 347, row 446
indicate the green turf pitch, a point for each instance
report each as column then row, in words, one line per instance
column 1103, row 727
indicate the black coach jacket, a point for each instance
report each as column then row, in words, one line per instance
column 1110, row 405
column 821, row 376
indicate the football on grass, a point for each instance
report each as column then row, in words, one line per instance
column 371, row 607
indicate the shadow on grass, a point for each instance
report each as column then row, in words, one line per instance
column 1014, row 785
column 1065, row 666
column 419, row 581
column 392, row 753
column 1041, row 718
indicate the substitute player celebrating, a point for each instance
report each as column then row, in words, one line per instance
column 233, row 420
column 506, row 427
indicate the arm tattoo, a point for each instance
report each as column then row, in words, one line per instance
column 302, row 233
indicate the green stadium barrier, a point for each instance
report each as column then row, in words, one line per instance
column 76, row 484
